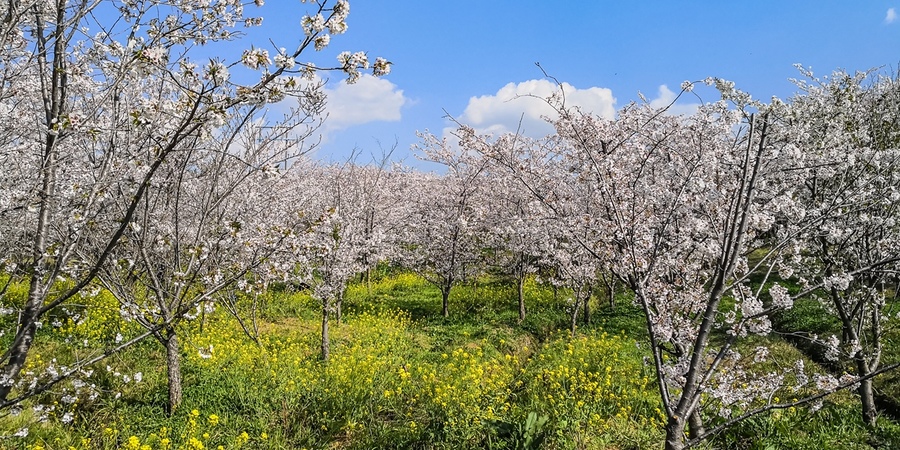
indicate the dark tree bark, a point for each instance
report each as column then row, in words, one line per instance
column 173, row 369
column 521, row 294
column 338, row 306
column 326, row 339
column 674, row 434
column 445, row 300
column 695, row 425
column 587, row 307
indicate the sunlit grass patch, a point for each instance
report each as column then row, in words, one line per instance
column 591, row 385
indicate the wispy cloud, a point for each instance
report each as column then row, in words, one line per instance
column 891, row 16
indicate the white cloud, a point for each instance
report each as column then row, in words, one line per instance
column 370, row 99
column 502, row 112
column 665, row 97
column 891, row 16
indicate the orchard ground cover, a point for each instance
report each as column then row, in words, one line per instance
column 400, row 376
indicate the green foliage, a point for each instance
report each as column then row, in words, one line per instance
column 524, row 436
column 809, row 315
column 834, row 427
column 401, row 376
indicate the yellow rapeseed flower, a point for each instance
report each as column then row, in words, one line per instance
column 134, row 443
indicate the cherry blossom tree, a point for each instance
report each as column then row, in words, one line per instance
column 200, row 229
column 441, row 241
column 380, row 199
column 103, row 106
column 687, row 199
column 516, row 227
column 558, row 232
column 690, row 199
column 848, row 124
column 335, row 238
column 673, row 206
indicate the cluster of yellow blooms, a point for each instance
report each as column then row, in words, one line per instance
column 594, row 382
column 386, row 371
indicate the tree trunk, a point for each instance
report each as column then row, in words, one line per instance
column 587, row 307
column 521, row 292
column 866, row 391
column 326, row 340
column 610, row 291
column 22, row 344
column 369, row 282
column 338, row 304
column 848, row 335
column 695, row 425
column 575, row 308
column 24, row 338
column 674, row 434
column 173, row 370
column 867, row 395
column 445, row 299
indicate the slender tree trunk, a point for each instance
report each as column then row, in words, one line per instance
column 695, row 425
column 610, row 291
column 37, row 288
column 573, row 324
column 866, row 392
column 21, row 345
column 445, row 301
column 865, row 389
column 587, row 307
column 326, row 340
column 675, row 434
column 338, row 305
column 521, row 293
column 867, row 395
column 369, row 282
column 173, row 369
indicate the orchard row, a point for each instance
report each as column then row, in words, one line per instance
column 130, row 168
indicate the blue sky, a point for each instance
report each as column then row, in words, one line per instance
column 461, row 56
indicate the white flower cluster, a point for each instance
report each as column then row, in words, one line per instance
column 381, row 67
column 839, row 281
column 827, row 383
column 322, row 41
column 781, row 298
column 216, row 72
column 352, row 63
column 832, row 348
column 283, row 60
column 313, row 24
column 255, row 58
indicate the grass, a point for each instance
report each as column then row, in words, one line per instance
column 400, row 376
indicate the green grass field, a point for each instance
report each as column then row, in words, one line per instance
column 400, row 376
